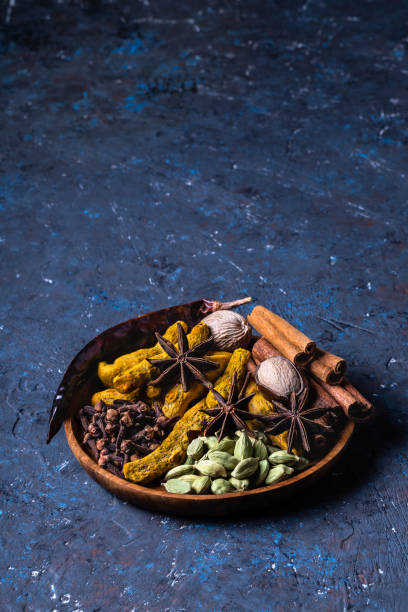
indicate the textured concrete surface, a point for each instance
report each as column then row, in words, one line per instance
column 154, row 153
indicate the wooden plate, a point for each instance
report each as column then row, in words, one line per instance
column 81, row 381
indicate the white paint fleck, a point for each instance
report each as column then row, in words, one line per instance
column 48, row 280
column 11, row 5
column 35, row 573
column 369, row 287
column 53, row 593
column 65, row 598
column 235, row 265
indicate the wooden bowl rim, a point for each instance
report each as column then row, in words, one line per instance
column 110, row 481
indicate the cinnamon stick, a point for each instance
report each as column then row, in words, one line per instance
column 354, row 405
column 263, row 349
column 327, row 367
column 332, row 416
column 251, row 366
column 321, row 398
column 291, row 342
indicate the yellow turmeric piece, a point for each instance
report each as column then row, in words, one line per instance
column 110, row 395
column 172, row 451
column 143, row 372
column 153, row 392
column 176, row 401
column 259, row 404
column 238, row 364
column 136, row 377
column 108, row 371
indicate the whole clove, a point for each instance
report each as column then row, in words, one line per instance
column 123, row 431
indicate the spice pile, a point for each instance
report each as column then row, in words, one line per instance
column 231, row 464
column 123, row 432
column 274, row 408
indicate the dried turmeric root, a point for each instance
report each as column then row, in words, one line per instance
column 110, row 395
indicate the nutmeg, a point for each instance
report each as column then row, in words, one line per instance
column 278, row 377
column 229, row 329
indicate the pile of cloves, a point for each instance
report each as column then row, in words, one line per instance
column 123, row 431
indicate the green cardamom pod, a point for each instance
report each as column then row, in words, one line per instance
column 220, row 486
column 301, row 464
column 272, row 449
column 226, row 445
column 211, row 442
column 177, row 486
column 278, row 473
column 178, row 471
column 196, row 449
column 225, row 459
column 282, row 456
column 245, row 468
column 201, row 484
column 210, row 468
column 260, row 450
column 243, row 447
column 240, row 484
column 190, row 478
column 260, row 435
column 189, row 461
column 260, row 475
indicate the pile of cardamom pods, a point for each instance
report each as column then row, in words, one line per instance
column 231, row 464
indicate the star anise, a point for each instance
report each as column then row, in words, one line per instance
column 294, row 417
column 231, row 413
column 185, row 360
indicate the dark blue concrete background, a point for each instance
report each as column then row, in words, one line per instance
column 157, row 152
